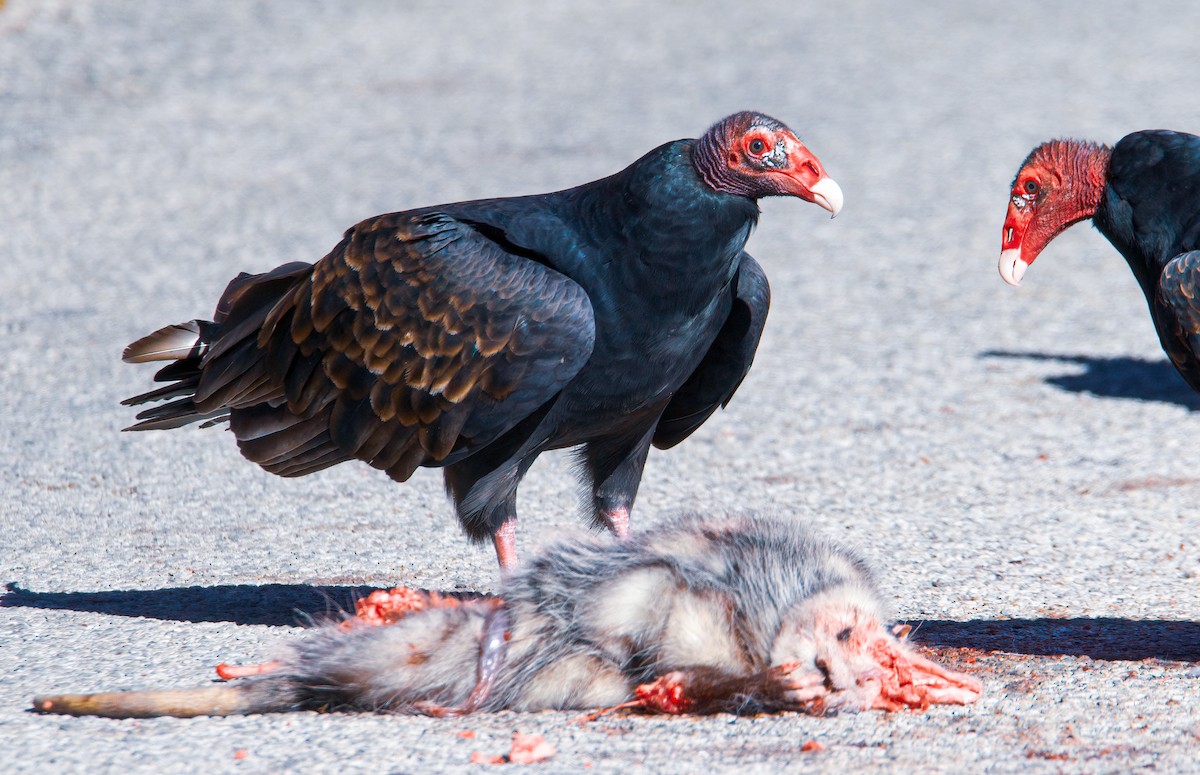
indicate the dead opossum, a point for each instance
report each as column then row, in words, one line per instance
column 740, row 614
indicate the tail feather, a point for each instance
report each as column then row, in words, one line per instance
column 170, row 343
column 258, row 295
column 284, row 443
column 184, row 387
column 245, row 367
column 173, row 415
column 214, row 365
column 183, row 369
column 225, row 377
column 217, row 420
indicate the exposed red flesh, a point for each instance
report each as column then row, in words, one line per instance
column 526, row 749
column 529, row 749
column 899, row 678
column 391, row 605
column 909, row 680
column 665, row 694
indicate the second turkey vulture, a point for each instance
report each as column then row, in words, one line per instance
column 1143, row 195
column 474, row 336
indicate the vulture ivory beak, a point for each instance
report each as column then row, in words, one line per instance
column 1012, row 268
column 827, row 194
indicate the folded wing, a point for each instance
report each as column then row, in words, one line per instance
column 416, row 341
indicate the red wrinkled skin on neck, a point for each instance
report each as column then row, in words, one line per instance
column 1072, row 175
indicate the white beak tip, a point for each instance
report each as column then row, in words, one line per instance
column 828, row 194
column 1011, row 267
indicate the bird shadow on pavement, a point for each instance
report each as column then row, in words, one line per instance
column 1115, row 377
column 279, row 605
column 1107, row 639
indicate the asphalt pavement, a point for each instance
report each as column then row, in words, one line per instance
column 1019, row 464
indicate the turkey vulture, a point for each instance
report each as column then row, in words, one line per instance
column 1144, row 196
column 474, row 336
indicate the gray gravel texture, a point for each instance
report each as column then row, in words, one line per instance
column 1015, row 463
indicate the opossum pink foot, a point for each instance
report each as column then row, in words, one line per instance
column 228, row 672
column 802, row 687
column 665, row 694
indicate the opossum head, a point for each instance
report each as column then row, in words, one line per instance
column 834, row 652
column 822, row 639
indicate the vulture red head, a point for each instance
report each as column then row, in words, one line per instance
column 1060, row 183
column 752, row 155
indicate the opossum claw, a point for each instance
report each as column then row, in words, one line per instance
column 801, row 687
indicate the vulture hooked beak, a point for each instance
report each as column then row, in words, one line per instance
column 806, row 179
column 827, row 194
column 1012, row 268
column 1012, row 240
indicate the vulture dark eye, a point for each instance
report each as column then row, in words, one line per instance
column 1031, row 187
column 844, row 635
column 757, row 146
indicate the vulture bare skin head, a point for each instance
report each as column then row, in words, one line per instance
column 473, row 336
column 1059, row 184
column 753, row 155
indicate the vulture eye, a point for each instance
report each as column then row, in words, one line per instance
column 844, row 635
column 1031, row 187
column 757, row 146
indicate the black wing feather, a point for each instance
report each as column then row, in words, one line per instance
column 726, row 363
column 416, row 341
column 1177, row 314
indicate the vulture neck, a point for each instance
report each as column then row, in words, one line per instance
column 713, row 169
column 676, row 231
column 1146, row 243
column 1089, row 169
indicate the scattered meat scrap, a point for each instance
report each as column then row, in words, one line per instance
column 526, row 749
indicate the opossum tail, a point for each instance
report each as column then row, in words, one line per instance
column 235, row 700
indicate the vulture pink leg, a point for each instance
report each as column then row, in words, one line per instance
column 618, row 522
column 505, row 541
